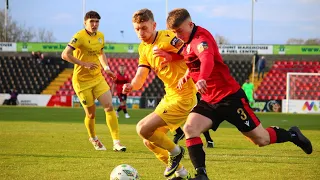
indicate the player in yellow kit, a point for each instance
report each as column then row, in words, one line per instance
column 175, row 106
column 85, row 51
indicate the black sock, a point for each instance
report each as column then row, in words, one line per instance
column 179, row 131
column 119, row 109
column 207, row 136
column 279, row 135
column 125, row 110
column 196, row 153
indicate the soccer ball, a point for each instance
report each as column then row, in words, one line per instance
column 124, row 172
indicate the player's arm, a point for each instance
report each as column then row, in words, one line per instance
column 113, row 88
column 104, row 63
column 103, row 60
column 204, row 49
column 171, row 49
column 206, row 57
column 138, row 80
column 184, row 79
column 67, row 54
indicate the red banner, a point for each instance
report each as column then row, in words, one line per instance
column 60, row 101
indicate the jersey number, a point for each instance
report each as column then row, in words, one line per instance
column 243, row 115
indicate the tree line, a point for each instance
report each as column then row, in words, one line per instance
column 16, row 32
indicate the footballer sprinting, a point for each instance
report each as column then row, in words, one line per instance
column 222, row 97
column 175, row 106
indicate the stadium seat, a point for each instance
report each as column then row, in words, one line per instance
column 305, row 87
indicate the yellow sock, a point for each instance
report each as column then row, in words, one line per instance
column 160, row 139
column 161, row 154
column 112, row 122
column 90, row 126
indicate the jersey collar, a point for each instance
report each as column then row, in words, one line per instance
column 193, row 32
column 154, row 40
column 90, row 34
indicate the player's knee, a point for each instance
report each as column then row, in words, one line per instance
column 191, row 131
column 139, row 128
column 143, row 131
column 108, row 108
column 147, row 143
column 91, row 115
column 261, row 141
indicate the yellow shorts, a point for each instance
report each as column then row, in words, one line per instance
column 88, row 91
column 175, row 109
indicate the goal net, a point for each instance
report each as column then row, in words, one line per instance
column 302, row 93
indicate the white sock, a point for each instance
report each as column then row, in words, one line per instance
column 116, row 141
column 94, row 138
column 176, row 150
column 182, row 172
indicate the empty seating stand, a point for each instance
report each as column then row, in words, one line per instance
column 26, row 75
column 273, row 85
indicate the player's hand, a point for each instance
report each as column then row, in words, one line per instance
column 163, row 54
column 90, row 65
column 126, row 88
column 181, row 81
column 201, row 86
column 111, row 75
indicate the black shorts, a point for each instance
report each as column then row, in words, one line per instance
column 122, row 97
column 233, row 108
column 198, row 97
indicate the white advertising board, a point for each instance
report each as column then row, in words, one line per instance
column 8, row 47
column 28, row 99
column 245, row 49
column 302, row 106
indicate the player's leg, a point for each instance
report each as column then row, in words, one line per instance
column 102, row 91
column 262, row 137
column 210, row 143
column 178, row 136
column 149, row 128
column 195, row 125
column 248, row 123
column 162, row 155
column 124, row 105
column 87, row 101
column 120, row 106
column 159, row 152
column 206, row 134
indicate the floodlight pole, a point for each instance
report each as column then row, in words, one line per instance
column 166, row 9
column 83, row 9
column 252, row 14
column 6, row 20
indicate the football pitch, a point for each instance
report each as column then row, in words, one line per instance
column 52, row 143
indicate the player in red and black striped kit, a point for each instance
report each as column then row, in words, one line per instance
column 122, row 78
column 222, row 97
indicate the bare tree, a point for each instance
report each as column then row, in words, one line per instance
column 221, row 39
column 44, row 35
column 15, row 32
column 295, row 41
column 313, row 41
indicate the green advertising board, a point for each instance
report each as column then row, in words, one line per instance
column 296, row 49
column 59, row 47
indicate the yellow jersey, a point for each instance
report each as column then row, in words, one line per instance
column 87, row 48
column 173, row 71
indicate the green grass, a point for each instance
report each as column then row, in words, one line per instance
column 52, row 143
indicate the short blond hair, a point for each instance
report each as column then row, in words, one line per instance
column 143, row 15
